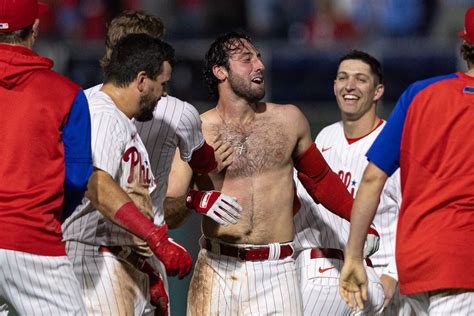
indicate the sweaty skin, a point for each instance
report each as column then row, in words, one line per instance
column 261, row 173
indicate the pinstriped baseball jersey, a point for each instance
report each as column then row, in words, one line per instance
column 175, row 124
column 118, row 150
column 349, row 162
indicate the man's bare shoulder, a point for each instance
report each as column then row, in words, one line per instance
column 210, row 117
column 286, row 111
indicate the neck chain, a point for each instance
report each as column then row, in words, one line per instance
column 240, row 145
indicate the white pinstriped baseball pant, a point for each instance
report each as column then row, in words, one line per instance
column 109, row 286
column 459, row 302
column 223, row 285
column 33, row 284
column 319, row 280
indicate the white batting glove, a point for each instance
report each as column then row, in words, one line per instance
column 372, row 242
column 219, row 206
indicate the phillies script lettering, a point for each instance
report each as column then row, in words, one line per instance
column 133, row 155
column 346, row 178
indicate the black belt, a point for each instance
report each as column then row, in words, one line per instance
column 253, row 253
column 332, row 253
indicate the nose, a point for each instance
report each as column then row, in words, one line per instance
column 350, row 84
column 259, row 66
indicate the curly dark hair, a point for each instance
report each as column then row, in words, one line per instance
column 218, row 54
column 467, row 52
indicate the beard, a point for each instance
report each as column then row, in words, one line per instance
column 245, row 90
column 146, row 106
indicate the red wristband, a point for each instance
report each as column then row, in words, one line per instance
column 132, row 219
column 190, row 199
column 203, row 159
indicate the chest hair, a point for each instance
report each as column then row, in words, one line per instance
column 258, row 147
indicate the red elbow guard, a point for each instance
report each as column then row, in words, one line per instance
column 312, row 163
column 323, row 184
column 203, row 159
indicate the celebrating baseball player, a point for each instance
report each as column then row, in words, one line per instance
column 247, row 268
column 45, row 158
column 112, row 234
column 429, row 136
column 321, row 236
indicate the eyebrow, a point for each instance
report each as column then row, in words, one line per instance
column 356, row 74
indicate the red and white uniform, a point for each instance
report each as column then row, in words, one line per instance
column 118, row 150
column 175, row 123
column 317, row 227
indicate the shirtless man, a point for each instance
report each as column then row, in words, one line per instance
column 247, row 268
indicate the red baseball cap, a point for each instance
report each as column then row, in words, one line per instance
column 17, row 14
column 468, row 33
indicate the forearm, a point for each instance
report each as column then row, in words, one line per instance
column 176, row 212
column 364, row 209
column 105, row 194
column 115, row 204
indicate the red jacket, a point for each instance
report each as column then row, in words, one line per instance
column 34, row 106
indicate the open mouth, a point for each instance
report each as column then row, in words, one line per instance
column 257, row 80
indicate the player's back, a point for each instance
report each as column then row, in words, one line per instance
column 437, row 166
column 32, row 165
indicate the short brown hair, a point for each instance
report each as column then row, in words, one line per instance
column 16, row 37
column 130, row 22
column 467, row 52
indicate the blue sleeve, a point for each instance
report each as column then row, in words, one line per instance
column 385, row 151
column 76, row 137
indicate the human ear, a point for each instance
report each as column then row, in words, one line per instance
column 219, row 72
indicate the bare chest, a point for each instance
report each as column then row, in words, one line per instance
column 258, row 147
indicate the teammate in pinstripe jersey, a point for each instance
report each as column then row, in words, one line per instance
column 248, row 268
column 321, row 235
column 111, row 236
